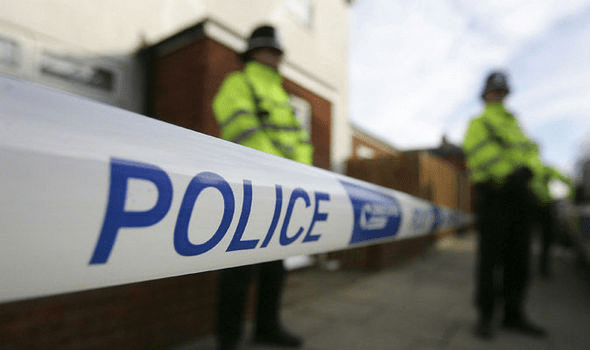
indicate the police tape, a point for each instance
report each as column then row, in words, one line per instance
column 94, row 196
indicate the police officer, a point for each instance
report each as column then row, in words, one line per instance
column 502, row 160
column 253, row 109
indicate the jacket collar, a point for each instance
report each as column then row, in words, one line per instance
column 261, row 72
column 496, row 110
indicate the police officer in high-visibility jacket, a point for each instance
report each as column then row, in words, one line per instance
column 502, row 160
column 253, row 109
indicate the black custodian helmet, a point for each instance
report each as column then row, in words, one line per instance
column 264, row 36
column 496, row 81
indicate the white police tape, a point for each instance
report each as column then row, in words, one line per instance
column 94, row 196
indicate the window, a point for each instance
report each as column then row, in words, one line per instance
column 9, row 52
column 302, row 110
column 76, row 72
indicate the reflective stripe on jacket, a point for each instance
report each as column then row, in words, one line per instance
column 253, row 109
column 495, row 146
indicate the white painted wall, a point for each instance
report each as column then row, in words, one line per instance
column 107, row 33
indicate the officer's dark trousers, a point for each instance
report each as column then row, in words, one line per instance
column 232, row 294
column 503, row 223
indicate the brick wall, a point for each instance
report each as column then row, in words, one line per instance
column 137, row 316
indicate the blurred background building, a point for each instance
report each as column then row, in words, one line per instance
column 166, row 59
column 143, row 55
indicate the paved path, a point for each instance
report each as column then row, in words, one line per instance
column 426, row 304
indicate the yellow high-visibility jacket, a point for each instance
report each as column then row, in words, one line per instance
column 495, row 146
column 253, row 109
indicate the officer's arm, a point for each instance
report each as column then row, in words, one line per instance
column 234, row 110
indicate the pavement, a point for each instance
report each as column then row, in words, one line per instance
column 425, row 304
